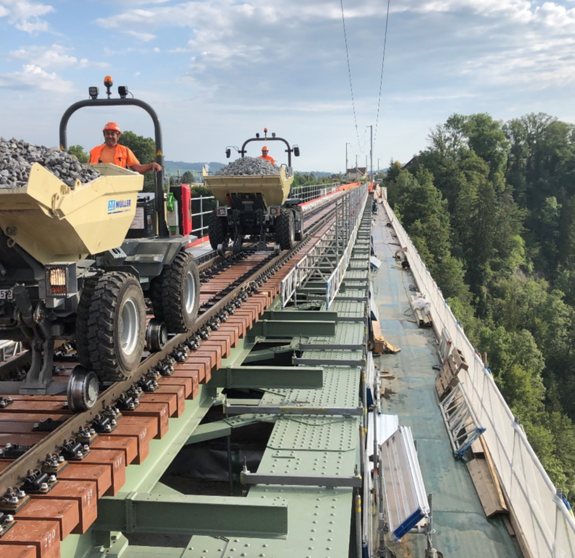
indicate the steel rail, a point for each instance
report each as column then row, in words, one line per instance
column 15, row 473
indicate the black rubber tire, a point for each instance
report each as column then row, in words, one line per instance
column 99, row 328
column 285, row 229
column 217, row 230
column 82, row 316
column 175, row 294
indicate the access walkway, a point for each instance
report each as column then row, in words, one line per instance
column 461, row 526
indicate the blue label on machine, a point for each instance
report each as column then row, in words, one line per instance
column 119, row 206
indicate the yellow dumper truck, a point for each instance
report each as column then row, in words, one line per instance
column 255, row 205
column 69, row 274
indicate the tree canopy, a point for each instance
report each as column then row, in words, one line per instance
column 145, row 151
column 79, row 153
column 491, row 208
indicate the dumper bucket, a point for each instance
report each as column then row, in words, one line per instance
column 55, row 223
column 274, row 188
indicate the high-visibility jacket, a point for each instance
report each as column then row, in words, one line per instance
column 122, row 155
column 268, row 158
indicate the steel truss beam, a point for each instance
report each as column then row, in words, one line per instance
column 331, row 481
column 192, row 515
column 279, row 410
column 273, row 377
column 300, row 316
column 283, row 328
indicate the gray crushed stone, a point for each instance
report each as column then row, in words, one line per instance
column 17, row 157
column 249, row 166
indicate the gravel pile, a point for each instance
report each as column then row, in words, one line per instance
column 17, row 157
column 249, row 166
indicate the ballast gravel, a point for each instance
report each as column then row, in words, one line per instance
column 246, row 166
column 17, row 157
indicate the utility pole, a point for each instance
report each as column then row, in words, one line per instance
column 346, row 163
column 370, row 150
column 378, row 167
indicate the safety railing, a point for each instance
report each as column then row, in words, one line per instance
column 546, row 525
column 300, row 271
column 200, row 211
column 331, row 255
column 313, row 191
column 358, row 198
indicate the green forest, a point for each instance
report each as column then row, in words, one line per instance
column 490, row 207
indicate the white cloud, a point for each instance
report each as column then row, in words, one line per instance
column 55, row 57
column 145, row 37
column 26, row 15
column 34, row 77
column 85, row 63
column 138, row 2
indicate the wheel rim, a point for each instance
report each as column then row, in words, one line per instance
column 130, row 327
column 92, row 389
column 189, row 292
column 83, row 388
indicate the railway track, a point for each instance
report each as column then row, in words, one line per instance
column 51, row 456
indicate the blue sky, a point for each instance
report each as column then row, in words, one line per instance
column 217, row 71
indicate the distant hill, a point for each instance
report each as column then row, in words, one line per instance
column 172, row 167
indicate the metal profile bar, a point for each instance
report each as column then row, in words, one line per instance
column 328, row 346
column 192, row 515
column 280, row 410
column 331, row 481
column 273, row 377
column 330, row 361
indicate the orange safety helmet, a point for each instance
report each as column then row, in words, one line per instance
column 112, row 126
column 265, row 148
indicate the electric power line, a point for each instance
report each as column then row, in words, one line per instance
column 349, row 74
column 381, row 75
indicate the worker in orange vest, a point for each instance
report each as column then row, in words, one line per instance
column 265, row 155
column 112, row 152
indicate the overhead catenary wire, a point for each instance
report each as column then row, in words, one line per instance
column 349, row 74
column 381, row 73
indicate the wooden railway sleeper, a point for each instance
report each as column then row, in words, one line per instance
column 128, row 397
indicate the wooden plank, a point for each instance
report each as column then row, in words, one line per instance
column 477, row 448
column 486, row 490
column 501, row 499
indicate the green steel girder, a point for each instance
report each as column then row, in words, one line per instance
column 299, row 316
column 268, row 328
column 221, row 428
column 268, row 354
column 192, row 515
column 210, row 431
column 271, row 377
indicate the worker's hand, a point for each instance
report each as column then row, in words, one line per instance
column 156, row 167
